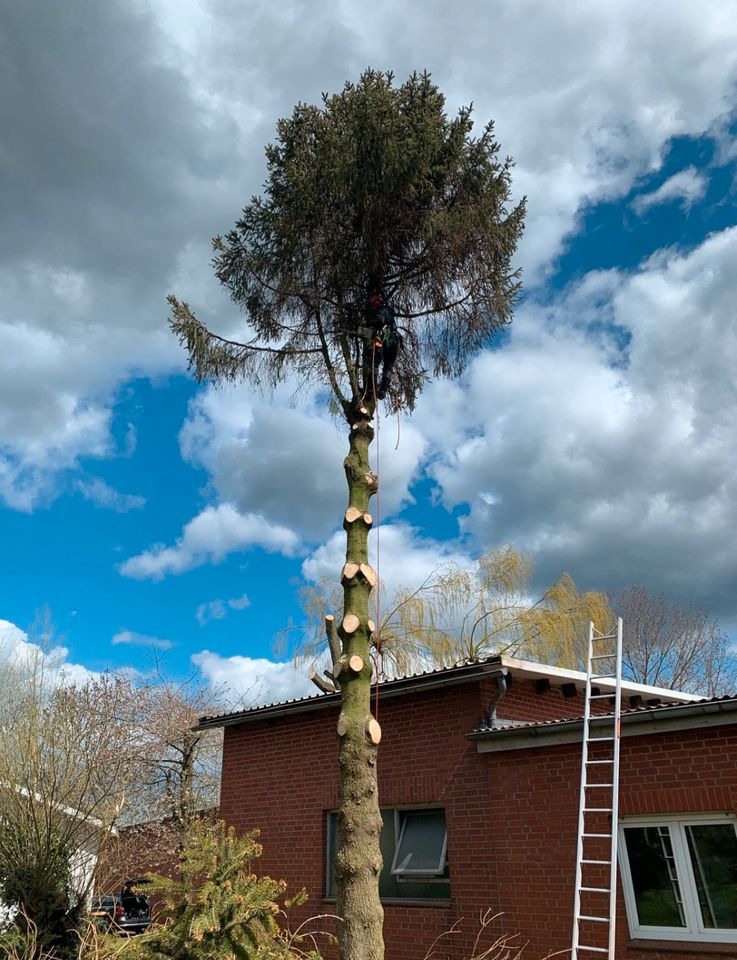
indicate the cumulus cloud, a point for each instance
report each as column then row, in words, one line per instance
column 585, row 97
column 138, row 138
column 405, row 557
column 602, row 437
column 18, row 652
column 251, row 680
column 133, row 639
column 686, row 186
column 209, row 538
column 105, row 182
column 218, row 609
column 286, row 463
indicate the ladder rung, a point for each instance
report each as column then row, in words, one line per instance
column 601, row 862
column 599, row 739
column 599, row 761
column 605, row 636
column 594, row 949
column 592, row 785
column 595, row 889
column 601, row 696
column 597, row 809
column 604, row 656
column 597, row 919
column 604, row 836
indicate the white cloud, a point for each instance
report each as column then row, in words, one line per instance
column 218, row 609
column 586, row 98
column 687, row 185
column 609, row 454
column 251, row 681
column 103, row 495
column 20, row 653
column 286, row 463
column 405, row 558
column 133, row 639
column 209, row 538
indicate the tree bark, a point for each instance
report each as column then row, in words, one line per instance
column 358, row 862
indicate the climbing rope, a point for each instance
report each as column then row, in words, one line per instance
column 377, row 635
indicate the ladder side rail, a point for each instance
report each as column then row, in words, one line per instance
column 582, row 798
column 615, row 793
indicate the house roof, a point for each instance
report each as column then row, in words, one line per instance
column 442, row 677
column 639, row 721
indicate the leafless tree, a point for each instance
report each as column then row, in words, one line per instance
column 674, row 643
column 64, row 773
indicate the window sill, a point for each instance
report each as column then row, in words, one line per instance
column 402, row 902
column 683, row 946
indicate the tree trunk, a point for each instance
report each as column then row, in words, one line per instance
column 358, row 862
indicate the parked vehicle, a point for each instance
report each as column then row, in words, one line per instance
column 126, row 912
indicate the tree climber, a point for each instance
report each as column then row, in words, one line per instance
column 386, row 340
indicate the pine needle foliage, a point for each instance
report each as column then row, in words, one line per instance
column 376, row 190
column 219, row 909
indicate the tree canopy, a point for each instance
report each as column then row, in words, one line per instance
column 376, row 190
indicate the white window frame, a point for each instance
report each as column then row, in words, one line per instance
column 694, row 931
column 400, row 821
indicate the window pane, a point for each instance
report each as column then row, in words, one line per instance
column 422, row 842
column 653, row 869
column 713, row 850
column 391, row 887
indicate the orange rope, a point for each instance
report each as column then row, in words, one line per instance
column 377, row 640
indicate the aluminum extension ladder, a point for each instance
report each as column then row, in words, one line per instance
column 596, row 853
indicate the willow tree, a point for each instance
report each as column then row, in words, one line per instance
column 376, row 190
column 467, row 613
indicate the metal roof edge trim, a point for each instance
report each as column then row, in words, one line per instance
column 668, row 718
column 532, row 667
column 392, row 688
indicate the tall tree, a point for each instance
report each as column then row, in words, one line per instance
column 674, row 643
column 375, row 192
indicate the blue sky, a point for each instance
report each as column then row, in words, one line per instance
column 598, row 435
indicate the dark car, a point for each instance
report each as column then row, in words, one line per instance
column 126, row 912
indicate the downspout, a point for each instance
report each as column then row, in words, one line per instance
column 489, row 720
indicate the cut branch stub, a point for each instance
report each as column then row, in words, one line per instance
column 356, row 663
column 342, row 727
column 371, row 625
column 321, row 684
column 350, row 570
column 369, row 574
column 373, row 730
column 351, row 623
column 352, row 514
column 371, row 481
column 368, row 519
column 331, row 631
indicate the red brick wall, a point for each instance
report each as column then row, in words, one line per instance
column 535, row 793
column 511, row 817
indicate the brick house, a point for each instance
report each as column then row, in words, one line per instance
column 479, row 789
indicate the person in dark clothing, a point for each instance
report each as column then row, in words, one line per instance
column 386, row 341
